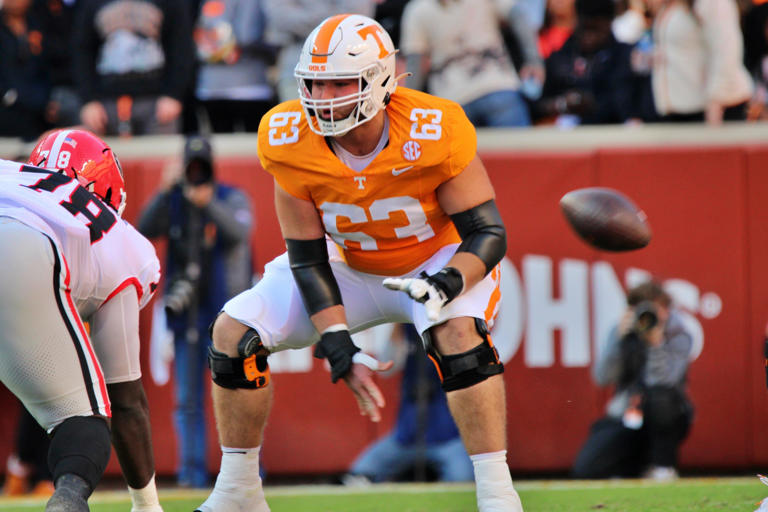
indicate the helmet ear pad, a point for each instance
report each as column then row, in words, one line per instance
column 377, row 79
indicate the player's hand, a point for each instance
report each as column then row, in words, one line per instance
column 360, row 381
column 339, row 349
column 434, row 291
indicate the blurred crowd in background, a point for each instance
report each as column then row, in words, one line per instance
column 134, row 67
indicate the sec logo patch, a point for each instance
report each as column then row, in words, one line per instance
column 411, row 150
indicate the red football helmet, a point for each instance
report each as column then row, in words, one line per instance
column 82, row 155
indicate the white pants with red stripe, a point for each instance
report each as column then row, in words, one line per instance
column 275, row 309
column 47, row 360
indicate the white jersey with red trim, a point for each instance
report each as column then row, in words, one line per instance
column 103, row 252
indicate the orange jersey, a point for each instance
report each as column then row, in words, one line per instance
column 386, row 218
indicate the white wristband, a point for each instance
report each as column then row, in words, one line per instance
column 366, row 360
column 336, row 328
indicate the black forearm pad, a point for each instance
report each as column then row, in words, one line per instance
column 482, row 233
column 312, row 273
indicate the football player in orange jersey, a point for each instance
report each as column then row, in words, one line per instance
column 377, row 191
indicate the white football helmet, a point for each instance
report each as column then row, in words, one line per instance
column 347, row 46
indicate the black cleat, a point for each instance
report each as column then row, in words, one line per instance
column 71, row 495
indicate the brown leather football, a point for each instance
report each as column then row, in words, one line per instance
column 606, row 219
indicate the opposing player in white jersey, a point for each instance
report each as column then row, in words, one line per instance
column 69, row 258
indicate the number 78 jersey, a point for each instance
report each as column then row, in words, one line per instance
column 386, row 218
column 103, row 253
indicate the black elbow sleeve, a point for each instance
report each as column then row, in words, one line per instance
column 482, row 233
column 312, row 273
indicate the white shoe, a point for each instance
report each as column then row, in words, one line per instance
column 352, row 480
column 218, row 501
column 661, row 473
column 153, row 508
column 507, row 502
column 764, row 503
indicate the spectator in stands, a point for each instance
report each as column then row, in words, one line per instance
column 425, row 435
column 632, row 21
column 590, row 80
column 633, row 26
column 232, row 90
column 559, row 22
column 459, row 46
column 24, row 85
column 389, row 13
column 132, row 65
column 756, row 58
column 534, row 11
column 208, row 227
column 755, row 35
column 698, row 73
column 57, row 16
column 646, row 358
column 289, row 22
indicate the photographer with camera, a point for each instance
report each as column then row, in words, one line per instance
column 208, row 226
column 646, row 358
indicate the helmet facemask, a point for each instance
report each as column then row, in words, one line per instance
column 106, row 193
column 352, row 48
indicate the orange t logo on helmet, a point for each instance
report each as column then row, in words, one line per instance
column 374, row 30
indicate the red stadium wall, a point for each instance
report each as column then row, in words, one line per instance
column 708, row 210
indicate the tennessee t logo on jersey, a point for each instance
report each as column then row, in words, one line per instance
column 360, row 180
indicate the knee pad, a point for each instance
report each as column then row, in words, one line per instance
column 249, row 370
column 80, row 446
column 459, row 371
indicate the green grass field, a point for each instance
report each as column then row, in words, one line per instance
column 696, row 494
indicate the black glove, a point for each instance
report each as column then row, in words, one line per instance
column 434, row 291
column 448, row 281
column 338, row 348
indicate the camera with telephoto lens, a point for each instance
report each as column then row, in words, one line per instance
column 646, row 317
column 180, row 295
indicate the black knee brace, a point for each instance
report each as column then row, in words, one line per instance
column 459, row 371
column 80, row 446
column 249, row 370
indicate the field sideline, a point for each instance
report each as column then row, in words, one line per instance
column 687, row 494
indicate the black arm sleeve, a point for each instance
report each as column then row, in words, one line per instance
column 313, row 274
column 482, row 233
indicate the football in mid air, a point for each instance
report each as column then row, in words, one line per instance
column 606, row 219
